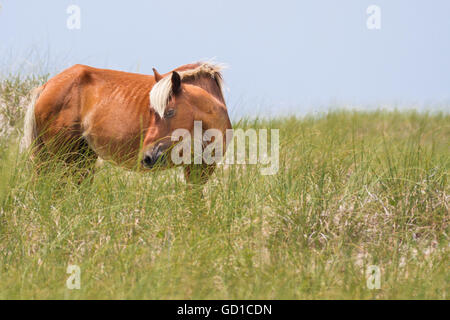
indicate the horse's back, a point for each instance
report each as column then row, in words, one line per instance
column 74, row 85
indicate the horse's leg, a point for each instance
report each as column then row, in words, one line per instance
column 196, row 176
column 82, row 162
column 38, row 159
column 74, row 156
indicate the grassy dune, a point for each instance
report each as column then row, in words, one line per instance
column 354, row 189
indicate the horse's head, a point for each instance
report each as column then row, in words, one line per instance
column 176, row 105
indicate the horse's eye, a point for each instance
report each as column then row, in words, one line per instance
column 169, row 113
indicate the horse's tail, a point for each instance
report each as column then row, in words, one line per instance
column 30, row 134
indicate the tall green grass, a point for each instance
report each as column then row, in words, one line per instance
column 354, row 189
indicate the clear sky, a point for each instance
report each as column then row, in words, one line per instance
column 295, row 56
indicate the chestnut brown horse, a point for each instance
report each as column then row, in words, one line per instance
column 127, row 118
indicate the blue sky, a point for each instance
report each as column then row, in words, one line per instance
column 294, row 56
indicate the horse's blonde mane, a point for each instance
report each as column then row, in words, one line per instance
column 160, row 93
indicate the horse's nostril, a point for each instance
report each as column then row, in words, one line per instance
column 152, row 158
column 148, row 161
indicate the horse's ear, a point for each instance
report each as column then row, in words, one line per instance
column 157, row 75
column 176, row 82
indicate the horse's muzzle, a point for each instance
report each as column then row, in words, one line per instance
column 153, row 157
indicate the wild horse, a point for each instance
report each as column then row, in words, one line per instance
column 127, row 118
